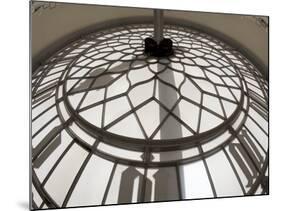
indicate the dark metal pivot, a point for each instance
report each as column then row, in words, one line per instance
column 158, row 45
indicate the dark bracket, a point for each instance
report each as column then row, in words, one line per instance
column 163, row 49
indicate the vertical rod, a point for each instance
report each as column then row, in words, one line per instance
column 158, row 25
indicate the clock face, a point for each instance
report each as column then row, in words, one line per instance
column 112, row 125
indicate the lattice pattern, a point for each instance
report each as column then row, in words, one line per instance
column 103, row 103
column 196, row 77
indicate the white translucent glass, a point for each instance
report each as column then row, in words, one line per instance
column 39, row 109
column 96, row 63
column 139, row 75
column 39, row 137
column 75, row 99
column 195, row 181
column 206, row 86
column 208, row 121
column 177, row 65
column 82, row 134
column 228, row 81
column 224, row 92
column 212, row 103
column 255, row 89
column 150, row 116
column 201, row 62
column 95, row 55
column 62, row 180
column 251, row 80
column 225, row 182
column 216, row 141
column 188, row 113
column 64, row 140
column 79, row 72
column 63, row 111
column 91, row 186
column 228, row 107
column 114, row 56
column 215, row 63
column 93, row 115
column 216, row 70
column 141, row 93
column 214, row 78
column 157, row 67
column 43, row 119
column 210, row 56
column 236, row 93
column 119, row 152
column 258, row 133
column 196, row 52
column 51, row 77
column 35, row 195
column 166, row 94
column 118, row 87
column 127, row 127
column 229, row 71
column 190, row 91
column 174, row 155
column 83, row 61
column 186, row 61
column 242, row 163
column 258, row 118
column 115, row 109
column 93, row 96
column 48, row 84
column 238, row 121
column 70, row 84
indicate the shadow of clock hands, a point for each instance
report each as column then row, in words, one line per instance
column 102, row 77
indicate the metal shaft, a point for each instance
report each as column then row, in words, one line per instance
column 158, row 25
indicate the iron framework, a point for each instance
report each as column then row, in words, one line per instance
column 76, row 90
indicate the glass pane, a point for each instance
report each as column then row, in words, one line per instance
column 127, row 127
column 161, row 184
column 62, row 180
column 91, row 186
column 120, row 153
column 126, row 185
column 195, row 181
column 225, row 182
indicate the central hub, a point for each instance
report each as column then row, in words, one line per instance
column 158, row 46
column 164, row 48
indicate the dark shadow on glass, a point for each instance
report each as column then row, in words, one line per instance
column 47, row 146
column 47, row 151
column 103, row 80
column 100, row 81
column 50, row 85
column 128, row 177
column 265, row 185
column 126, row 189
column 42, row 97
column 242, row 158
column 166, row 187
column 166, row 181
